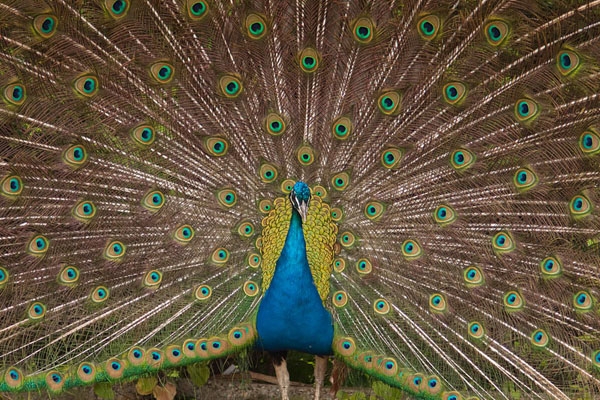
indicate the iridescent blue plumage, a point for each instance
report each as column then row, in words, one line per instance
column 291, row 315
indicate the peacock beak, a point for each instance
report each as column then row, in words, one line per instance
column 303, row 210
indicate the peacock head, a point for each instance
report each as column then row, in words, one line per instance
column 300, row 196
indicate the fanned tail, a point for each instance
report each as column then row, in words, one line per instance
column 456, row 143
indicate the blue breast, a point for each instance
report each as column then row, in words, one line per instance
column 291, row 315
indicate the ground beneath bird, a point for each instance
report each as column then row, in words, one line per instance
column 222, row 387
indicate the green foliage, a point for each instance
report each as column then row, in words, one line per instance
column 104, row 390
column 341, row 395
column 199, row 373
column 387, row 392
column 145, row 386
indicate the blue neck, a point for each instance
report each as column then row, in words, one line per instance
column 291, row 315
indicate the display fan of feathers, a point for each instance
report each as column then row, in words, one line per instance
column 410, row 187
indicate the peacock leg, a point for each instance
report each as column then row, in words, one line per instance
column 320, row 369
column 281, row 371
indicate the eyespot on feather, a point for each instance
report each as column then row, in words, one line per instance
column 215, row 146
column 461, row 159
column 13, row 377
column 503, row 243
column 152, row 279
column 68, row 275
column 86, row 85
column 75, row 156
column 340, row 298
column 429, row 26
column 256, row 26
column 84, row 211
column 364, row 266
column 513, row 301
column 305, row 155
column 38, row 245
column 374, row 210
column 339, row 264
column 15, row 94
column 496, row 32
column 567, row 62
column 44, row 25
column 184, row 234
column 342, row 128
column 275, row 124
column 143, row 135
column 117, row 9
column 411, row 249
column 136, row 355
column 203, row 292
column 99, row 294
column 381, row 306
column 230, row 86
column 196, row 9
column 476, row 330
column 345, row 346
column 114, row 368
column 162, row 72
column 115, row 250
column 36, row 311
column 54, row 381
column 11, row 186
column 347, row 239
column 267, row 172
column 340, row 181
column 589, row 142
column 580, row 206
column 583, row 301
column 454, row 93
column 389, row 102
column 4, row 277
column 309, row 60
column 154, row 200
column 86, row 372
column 526, row 110
column 437, row 303
column 444, row 215
column 363, row 30
column 251, row 289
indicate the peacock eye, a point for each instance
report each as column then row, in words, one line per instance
column 45, row 25
column 340, row 181
column 256, row 26
column 86, row 86
column 363, row 266
column 230, row 86
column 389, row 103
column 454, row 92
column 496, row 32
column 429, row 27
column 305, row 155
column 251, row 288
column 197, row 10
column 309, row 60
column 203, row 292
column 220, row 256
column 268, row 173
column 342, row 128
column 162, row 72
column 363, row 30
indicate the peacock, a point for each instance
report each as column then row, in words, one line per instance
column 411, row 187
